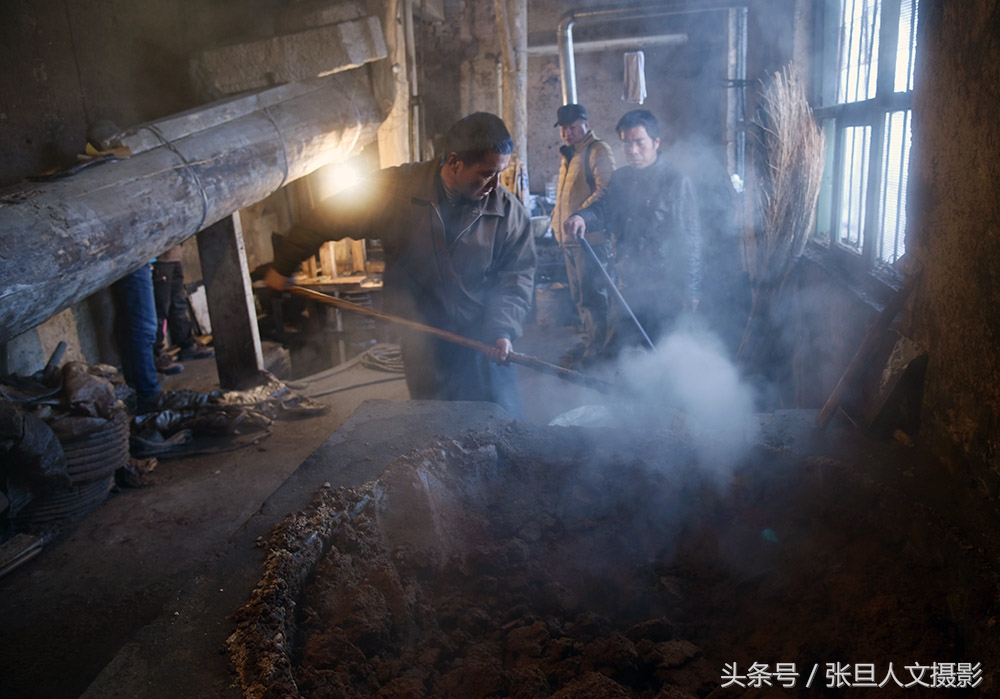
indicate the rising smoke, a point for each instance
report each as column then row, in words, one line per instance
column 689, row 376
column 686, row 384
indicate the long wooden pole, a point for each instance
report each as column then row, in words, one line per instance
column 513, row 357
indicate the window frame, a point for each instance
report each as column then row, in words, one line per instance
column 835, row 118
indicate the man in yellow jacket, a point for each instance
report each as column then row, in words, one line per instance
column 587, row 164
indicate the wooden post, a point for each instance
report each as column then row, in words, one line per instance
column 238, row 355
column 512, row 26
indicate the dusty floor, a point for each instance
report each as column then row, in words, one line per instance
column 535, row 563
column 844, row 551
column 67, row 612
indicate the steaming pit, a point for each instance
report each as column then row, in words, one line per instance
column 538, row 562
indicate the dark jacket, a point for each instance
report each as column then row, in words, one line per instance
column 479, row 285
column 652, row 215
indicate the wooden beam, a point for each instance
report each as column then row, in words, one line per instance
column 512, row 27
column 285, row 58
column 238, row 355
column 328, row 258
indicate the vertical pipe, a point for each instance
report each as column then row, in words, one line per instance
column 566, row 60
column 741, row 91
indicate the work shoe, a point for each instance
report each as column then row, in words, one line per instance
column 167, row 366
column 196, row 351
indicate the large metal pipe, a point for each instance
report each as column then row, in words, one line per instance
column 62, row 240
column 567, row 63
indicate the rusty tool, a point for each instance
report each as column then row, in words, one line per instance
column 614, row 290
column 454, row 338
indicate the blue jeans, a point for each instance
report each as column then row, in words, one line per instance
column 439, row 370
column 138, row 316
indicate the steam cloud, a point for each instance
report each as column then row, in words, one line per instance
column 689, row 373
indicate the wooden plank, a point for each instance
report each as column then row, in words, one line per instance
column 328, row 259
column 358, row 255
column 874, row 335
column 18, row 550
column 893, row 396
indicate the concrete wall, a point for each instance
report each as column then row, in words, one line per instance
column 954, row 228
column 69, row 65
column 685, row 82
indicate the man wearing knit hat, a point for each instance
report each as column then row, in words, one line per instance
column 586, row 166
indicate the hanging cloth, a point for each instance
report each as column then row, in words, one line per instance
column 635, row 77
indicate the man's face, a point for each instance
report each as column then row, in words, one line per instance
column 572, row 134
column 639, row 148
column 474, row 181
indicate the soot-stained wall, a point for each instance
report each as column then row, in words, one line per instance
column 68, row 65
column 954, row 228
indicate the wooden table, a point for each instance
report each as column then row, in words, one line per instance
column 330, row 320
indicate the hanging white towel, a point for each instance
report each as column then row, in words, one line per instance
column 635, row 77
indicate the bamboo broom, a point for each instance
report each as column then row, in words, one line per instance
column 786, row 149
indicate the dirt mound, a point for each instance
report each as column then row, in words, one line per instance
column 481, row 569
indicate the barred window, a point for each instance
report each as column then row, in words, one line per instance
column 866, row 76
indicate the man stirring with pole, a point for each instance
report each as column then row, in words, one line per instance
column 460, row 256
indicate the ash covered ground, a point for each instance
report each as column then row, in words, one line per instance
column 571, row 563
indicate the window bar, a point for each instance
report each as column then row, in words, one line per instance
column 908, row 21
column 894, row 180
column 864, row 55
column 889, row 58
column 871, row 239
column 844, row 59
column 889, row 222
column 898, row 241
column 847, row 205
column 856, row 176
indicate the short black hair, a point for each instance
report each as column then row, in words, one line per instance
column 472, row 137
column 639, row 117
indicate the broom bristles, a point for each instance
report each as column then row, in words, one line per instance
column 787, row 151
column 786, row 147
